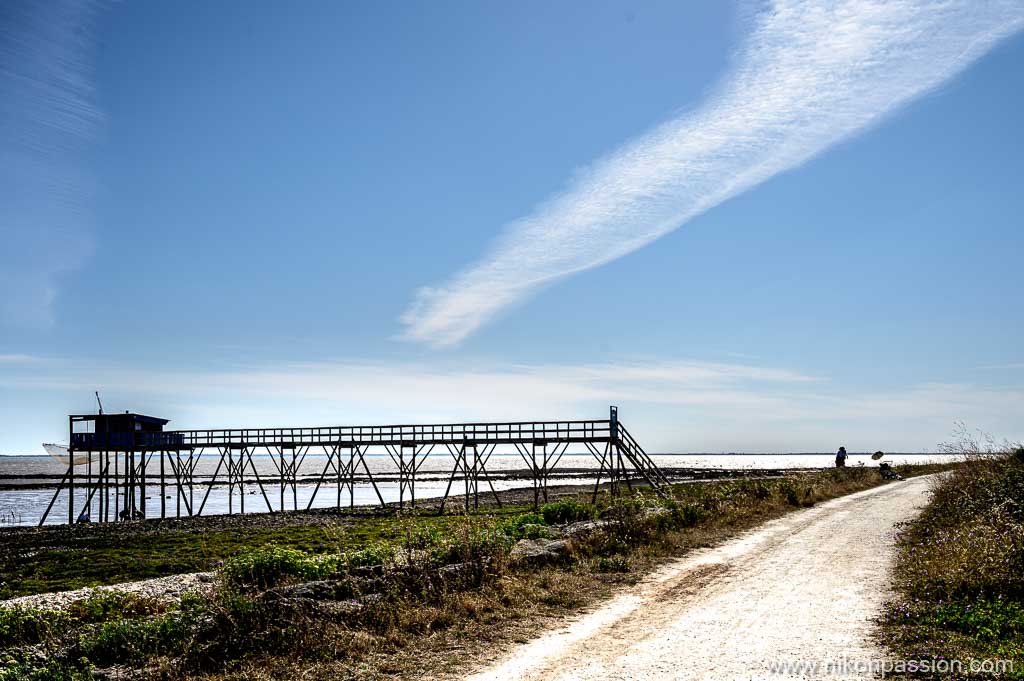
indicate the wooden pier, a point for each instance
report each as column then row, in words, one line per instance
column 126, row 454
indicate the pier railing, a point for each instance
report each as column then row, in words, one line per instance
column 112, row 482
column 527, row 432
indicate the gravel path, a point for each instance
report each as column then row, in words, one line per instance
column 801, row 589
column 161, row 588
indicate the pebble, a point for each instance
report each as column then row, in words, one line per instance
column 161, row 588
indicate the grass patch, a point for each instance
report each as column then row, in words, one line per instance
column 268, row 566
column 526, row 526
column 62, row 558
column 613, row 564
column 566, row 511
column 27, row 626
column 960, row 565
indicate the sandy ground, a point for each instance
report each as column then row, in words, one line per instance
column 801, row 589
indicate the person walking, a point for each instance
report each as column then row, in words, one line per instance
column 841, row 458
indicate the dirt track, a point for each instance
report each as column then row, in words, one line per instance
column 801, row 589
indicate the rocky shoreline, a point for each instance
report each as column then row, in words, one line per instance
column 168, row 589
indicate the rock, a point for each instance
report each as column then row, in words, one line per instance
column 613, row 513
column 621, row 512
column 539, row 551
column 123, row 673
column 454, row 571
column 582, row 527
column 536, row 530
column 655, row 511
column 458, row 573
column 368, row 571
column 320, row 590
column 338, row 609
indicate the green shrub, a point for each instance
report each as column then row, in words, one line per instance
column 51, row 669
column 672, row 515
column 601, row 542
column 634, row 529
column 613, row 564
column 688, row 515
column 788, row 490
column 473, row 542
column 228, row 627
column 526, row 526
column 422, row 536
column 119, row 641
column 566, row 511
column 101, row 606
column 28, row 626
column 762, row 491
column 374, row 554
column 268, row 566
column 128, row 641
column 985, row 619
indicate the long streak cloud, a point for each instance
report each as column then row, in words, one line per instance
column 810, row 74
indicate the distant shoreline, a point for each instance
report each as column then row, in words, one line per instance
column 684, row 474
column 445, row 454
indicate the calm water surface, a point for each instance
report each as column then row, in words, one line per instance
column 26, row 506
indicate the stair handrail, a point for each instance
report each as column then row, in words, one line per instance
column 643, row 458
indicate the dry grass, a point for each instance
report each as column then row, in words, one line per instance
column 413, row 617
column 960, row 565
column 481, row 625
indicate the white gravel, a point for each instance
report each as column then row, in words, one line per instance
column 162, row 588
column 801, row 589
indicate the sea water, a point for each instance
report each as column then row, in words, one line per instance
column 30, row 481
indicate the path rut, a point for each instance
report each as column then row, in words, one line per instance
column 803, row 589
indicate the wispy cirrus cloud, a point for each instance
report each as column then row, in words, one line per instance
column 809, row 75
column 48, row 118
column 19, row 359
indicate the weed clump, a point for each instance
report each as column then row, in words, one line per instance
column 613, row 564
column 28, row 626
column 269, row 566
column 525, row 525
column 265, row 567
column 566, row 511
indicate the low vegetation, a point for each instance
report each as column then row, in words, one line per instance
column 424, row 590
column 59, row 558
column 960, row 566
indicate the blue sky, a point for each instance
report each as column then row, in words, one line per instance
column 753, row 226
